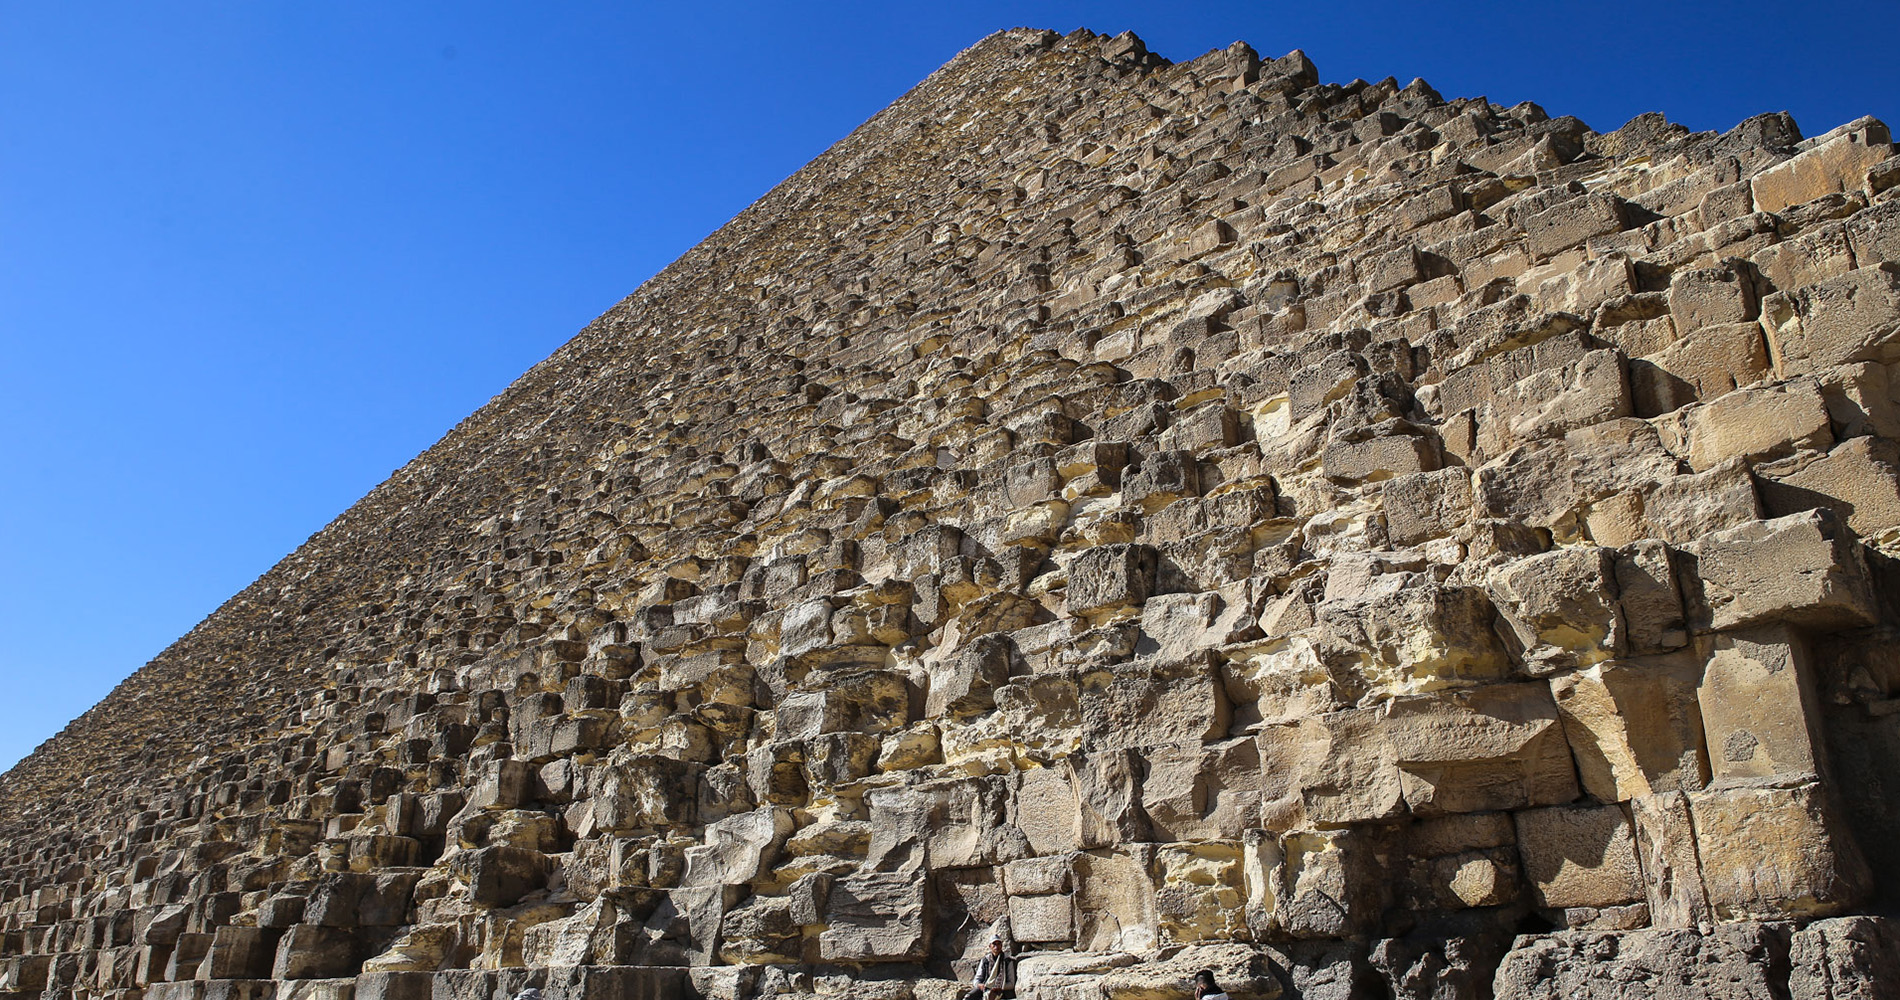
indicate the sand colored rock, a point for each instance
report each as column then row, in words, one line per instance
column 1163, row 515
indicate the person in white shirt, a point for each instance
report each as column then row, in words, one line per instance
column 1205, row 988
column 995, row 974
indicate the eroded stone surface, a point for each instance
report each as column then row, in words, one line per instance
column 1169, row 516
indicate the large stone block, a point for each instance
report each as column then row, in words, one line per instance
column 1755, row 424
column 1570, row 223
column 1579, row 856
column 1561, row 607
column 308, row 951
column 1804, row 569
column 1426, row 505
column 1853, row 317
column 1759, row 707
column 1332, row 769
column 1635, row 726
column 880, row 917
column 1108, row 578
column 1666, row 848
column 1838, row 164
column 1501, row 746
column 1700, row 297
column 1196, row 791
column 1411, row 633
column 1859, row 479
column 1775, row 853
column 1844, row 958
column 1731, row 962
column 1327, row 883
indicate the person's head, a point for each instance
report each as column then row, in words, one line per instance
column 1204, row 983
column 996, row 946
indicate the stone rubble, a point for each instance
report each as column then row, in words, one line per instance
column 1174, row 516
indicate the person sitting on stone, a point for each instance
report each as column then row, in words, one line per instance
column 1205, row 988
column 995, row 974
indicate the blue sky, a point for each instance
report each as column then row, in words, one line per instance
column 254, row 256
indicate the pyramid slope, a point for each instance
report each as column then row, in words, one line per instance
column 1172, row 516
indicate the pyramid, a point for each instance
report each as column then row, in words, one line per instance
column 1162, row 516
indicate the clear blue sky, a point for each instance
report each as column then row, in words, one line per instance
column 256, row 255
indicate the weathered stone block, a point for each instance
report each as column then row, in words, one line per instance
column 1839, row 164
column 308, row 951
column 1570, row 223
column 1804, row 569
column 1109, row 578
column 1850, row 318
column 1859, row 479
column 879, row 917
column 1775, row 853
column 1500, row 746
column 1561, row 607
column 1634, row 726
column 1579, row 856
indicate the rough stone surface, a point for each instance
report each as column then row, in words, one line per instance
column 1165, row 515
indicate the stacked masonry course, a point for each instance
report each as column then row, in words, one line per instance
column 1173, row 516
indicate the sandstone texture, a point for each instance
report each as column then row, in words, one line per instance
column 1170, row 516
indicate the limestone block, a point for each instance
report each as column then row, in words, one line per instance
column 1652, row 603
column 1107, row 788
column 1041, row 919
column 876, row 917
column 1200, row 893
column 1590, row 390
column 1708, row 296
column 644, row 791
column 1139, row 704
column 242, row 953
column 1379, row 458
column 1577, row 856
column 1839, row 164
column 738, row 848
column 1860, row 400
column 1754, row 424
column 504, row 784
column 1327, row 884
column 1680, row 509
column 947, row 823
column 1277, row 680
column 307, row 951
column 1672, row 874
column 1775, row 853
column 1859, row 479
column 1426, row 505
column 1700, row 367
column 1047, row 812
column 1805, row 569
column 1844, row 958
column 1731, row 962
column 1160, row 478
column 1244, row 972
column 1561, row 607
column 1759, row 704
column 1196, row 791
column 775, row 773
column 1850, row 318
column 868, row 701
column 1108, row 578
column 1570, row 223
column 499, row 876
column 1500, row 746
column 1634, row 726
column 1810, row 258
column 1414, row 634
column 1332, row 769
column 1115, row 902
column 760, row 931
